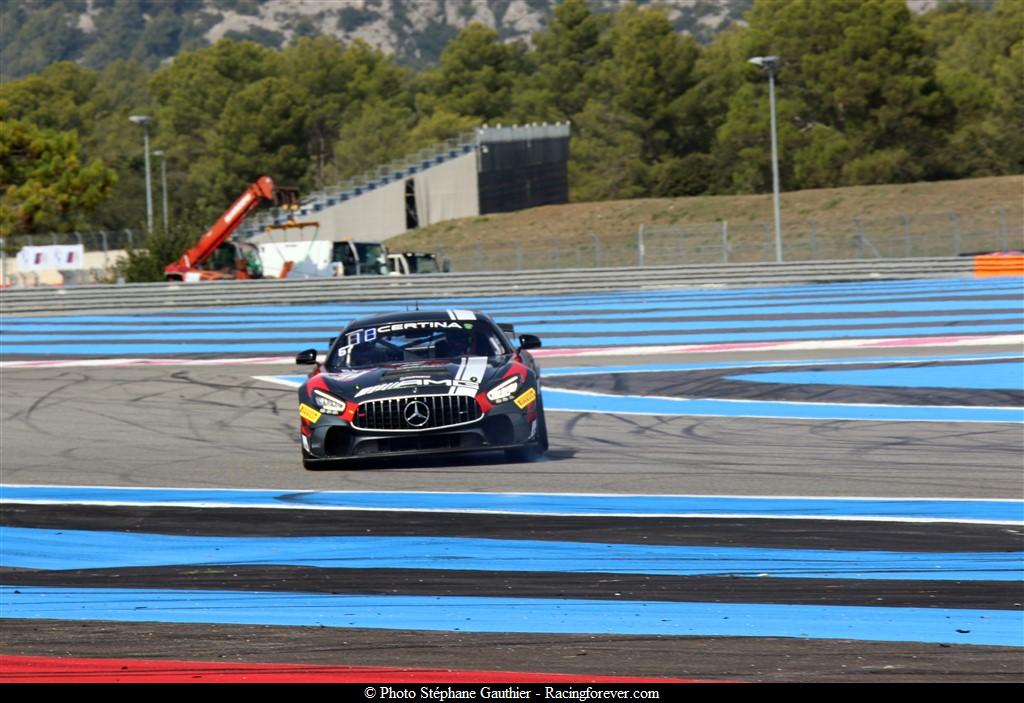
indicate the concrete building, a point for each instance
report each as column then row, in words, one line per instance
column 493, row 169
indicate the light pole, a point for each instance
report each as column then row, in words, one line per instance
column 163, row 181
column 144, row 121
column 770, row 64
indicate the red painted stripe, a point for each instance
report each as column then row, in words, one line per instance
column 19, row 669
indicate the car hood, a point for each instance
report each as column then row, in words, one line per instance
column 461, row 376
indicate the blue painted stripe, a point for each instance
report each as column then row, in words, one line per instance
column 866, row 291
column 835, row 291
column 1004, row 511
column 581, row 401
column 523, row 615
column 823, row 303
column 30, row 548
column 609, row 325
column 1005, row 376
column 699, row 308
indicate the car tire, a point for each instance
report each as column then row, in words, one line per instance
column 542, row 427
column 536, row 449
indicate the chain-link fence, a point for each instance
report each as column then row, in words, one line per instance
column 593, row 252
column 103, row 241
column 864, row 237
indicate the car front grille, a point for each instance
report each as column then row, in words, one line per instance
column 404, row 415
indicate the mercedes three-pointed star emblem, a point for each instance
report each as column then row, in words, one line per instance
column 416, row 413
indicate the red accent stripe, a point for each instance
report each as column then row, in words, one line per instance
column 19, row 669
column 516, row 369
column 316, row 382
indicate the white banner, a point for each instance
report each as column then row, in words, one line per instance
column 64, row 257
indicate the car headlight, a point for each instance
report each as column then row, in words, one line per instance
column 504, row 390
column 328, row 403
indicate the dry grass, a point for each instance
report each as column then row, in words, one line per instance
column 831, row 209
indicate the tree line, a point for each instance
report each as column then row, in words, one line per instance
column 867, row 93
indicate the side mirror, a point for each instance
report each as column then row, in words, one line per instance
column 306, row 357
column 529, row 341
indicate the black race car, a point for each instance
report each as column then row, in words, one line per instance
column 422, row 382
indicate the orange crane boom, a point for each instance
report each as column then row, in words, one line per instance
column 262, row 189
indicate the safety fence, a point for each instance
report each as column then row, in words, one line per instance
column 865, row 237
column 862, row 238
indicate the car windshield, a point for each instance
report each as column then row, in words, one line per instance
column 400, row 342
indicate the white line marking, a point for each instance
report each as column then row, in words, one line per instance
column 778, row 417
column 481, row 511
column 69, row 363
column 595, row 370
column 894, row 342
column 278, row 381
column 802, row 403
column 509, row 494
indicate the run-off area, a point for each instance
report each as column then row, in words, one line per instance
column 814, row 515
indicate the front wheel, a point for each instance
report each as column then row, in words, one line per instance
column 536, row 449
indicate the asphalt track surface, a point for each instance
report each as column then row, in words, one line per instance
column 221, row 427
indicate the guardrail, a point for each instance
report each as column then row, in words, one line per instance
column 148, row 296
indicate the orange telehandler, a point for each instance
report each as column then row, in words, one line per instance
column 229, row 259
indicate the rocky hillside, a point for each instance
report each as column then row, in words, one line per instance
column 417, row 30
column 36, row 33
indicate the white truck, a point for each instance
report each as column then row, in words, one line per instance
column 323, row 259
column 411, row 262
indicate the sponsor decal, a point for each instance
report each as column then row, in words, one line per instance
column 466, row 381
column 526, row 398
column 370, row 333
column 454, row 387
column 308, row 413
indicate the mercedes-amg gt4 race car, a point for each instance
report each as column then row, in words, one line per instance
column 422, row 382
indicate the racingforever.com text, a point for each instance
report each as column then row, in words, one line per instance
column 449, row 693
